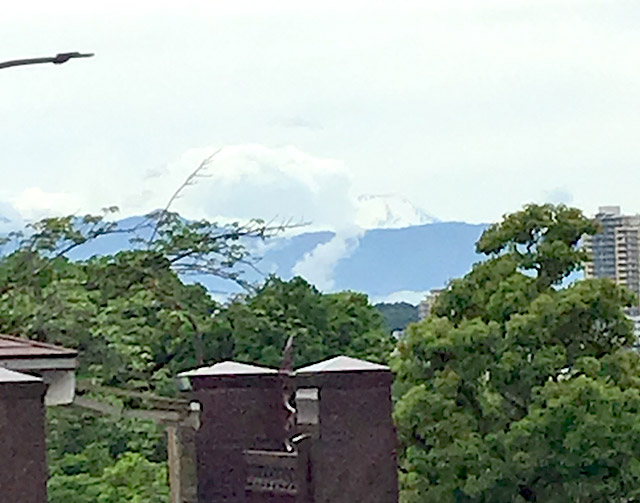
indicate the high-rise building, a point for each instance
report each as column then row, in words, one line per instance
column 615, row 251
column 425, row 307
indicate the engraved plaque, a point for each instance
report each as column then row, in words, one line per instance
column 271, row 472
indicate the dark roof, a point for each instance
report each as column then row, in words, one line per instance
column 16, row 347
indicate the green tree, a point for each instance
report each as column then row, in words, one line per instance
column 131, row 315
column 517, row 389
column 133, row 479
column 323, row 325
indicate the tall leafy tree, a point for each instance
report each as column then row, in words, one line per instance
column 516, row 388
column 323, row 325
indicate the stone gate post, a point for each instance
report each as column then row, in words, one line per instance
column 241, row 409
column 23, row 463
column 353, row 457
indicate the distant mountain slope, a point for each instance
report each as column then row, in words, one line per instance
column 415, row 258
column 384, row 262
column 398, row 315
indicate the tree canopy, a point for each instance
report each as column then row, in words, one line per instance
column 516, row 388
column 324, row 325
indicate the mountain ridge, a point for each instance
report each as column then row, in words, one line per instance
column 388, row 264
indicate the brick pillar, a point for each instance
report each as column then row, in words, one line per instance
column 23, row 463
column 241, row 408
column 353, row 459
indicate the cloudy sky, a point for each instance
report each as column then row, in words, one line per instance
column 466, row 108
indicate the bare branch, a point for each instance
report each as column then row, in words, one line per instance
column 188, row 181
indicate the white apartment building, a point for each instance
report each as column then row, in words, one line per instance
column 615, row 252
column 424, row 308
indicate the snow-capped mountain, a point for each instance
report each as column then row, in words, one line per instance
column 389, row 211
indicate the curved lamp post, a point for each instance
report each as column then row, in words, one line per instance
column 56, row 60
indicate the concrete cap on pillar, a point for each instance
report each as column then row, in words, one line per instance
column 344, row 371
column 228, row 368
column 10, row 376
column 227, row 371
column 342, row 364
column 21, row 385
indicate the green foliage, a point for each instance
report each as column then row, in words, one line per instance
column 134, row 321
column 204, row 247
column 579, row 442
column 323, row 325
column 517, row 390
column 398, row 315
column 541, row 238
column 132, row 478
column 85, row 452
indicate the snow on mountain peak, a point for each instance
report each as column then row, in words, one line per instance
column 389, row 211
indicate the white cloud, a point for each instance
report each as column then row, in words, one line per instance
column 559, row 195
column 469, row 107
column 411, row 296
column 255, row 181
column 281, row 184
column 34, row 203
column 318, row 265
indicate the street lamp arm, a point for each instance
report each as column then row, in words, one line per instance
column 56, row 60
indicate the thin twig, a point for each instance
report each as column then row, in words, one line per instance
column 188, row 181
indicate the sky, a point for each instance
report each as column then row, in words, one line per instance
column 467, row 109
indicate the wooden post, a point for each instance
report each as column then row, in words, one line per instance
column 173, row 451
column 182, row 461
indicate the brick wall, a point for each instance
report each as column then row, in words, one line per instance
column 23, row 465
